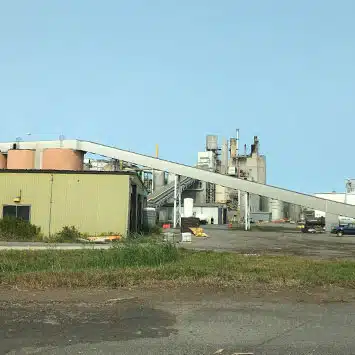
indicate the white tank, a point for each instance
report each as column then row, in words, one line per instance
column 221, row 194
column 265, row 204
column 276, row 210
column 188, row 207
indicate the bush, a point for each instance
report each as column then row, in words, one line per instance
column 16, row 229
column 154, row 230
column 66, row 235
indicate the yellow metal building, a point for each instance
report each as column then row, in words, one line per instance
column 93, row 202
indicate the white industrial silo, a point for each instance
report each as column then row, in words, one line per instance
column 188, row 207
column 277, row 210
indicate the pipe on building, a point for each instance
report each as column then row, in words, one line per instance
column 175, row 198
column 246, row 211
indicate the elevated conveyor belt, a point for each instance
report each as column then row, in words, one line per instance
column 159, row 197
column 273, row 192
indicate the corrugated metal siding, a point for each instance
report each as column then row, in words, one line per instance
column 35, row 191
column 261, row 216
column 92, row 203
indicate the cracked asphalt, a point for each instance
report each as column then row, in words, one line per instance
column 190, row 320
column 179, row 321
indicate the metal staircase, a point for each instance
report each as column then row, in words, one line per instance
column 161, row 196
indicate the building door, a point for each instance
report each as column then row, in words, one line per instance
column 225, row 212
column 133, row 211
column 139, row 213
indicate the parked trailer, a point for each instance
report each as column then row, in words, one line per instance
column 316, row 225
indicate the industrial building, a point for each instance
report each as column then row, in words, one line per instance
column 225, row 159
column 62, row 194
column 62, row 155
column 347, row 197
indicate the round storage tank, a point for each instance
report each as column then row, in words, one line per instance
column 20, row 159
column 276, row 210
column 188, row 207
column 3, row 161
column 62, row 159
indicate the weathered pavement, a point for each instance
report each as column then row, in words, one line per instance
column 194, row 321
column 279, row 241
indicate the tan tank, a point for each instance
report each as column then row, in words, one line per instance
column 3, row 160
column 62, row 159
column 20, row 159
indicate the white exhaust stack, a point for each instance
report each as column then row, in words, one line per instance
column 237, row 139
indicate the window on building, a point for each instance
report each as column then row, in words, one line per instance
column 17, row 211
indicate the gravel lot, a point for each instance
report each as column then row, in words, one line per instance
column 282, row 240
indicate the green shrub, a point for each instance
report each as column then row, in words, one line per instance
column 143, row 238
column 154, row 230
column 16, row 229
column 68, row 234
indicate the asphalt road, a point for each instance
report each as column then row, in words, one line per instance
column 172, row 322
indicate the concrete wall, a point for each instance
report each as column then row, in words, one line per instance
column 93, row 203
column 255, row 168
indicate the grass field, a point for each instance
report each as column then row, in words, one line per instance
column 147, row 264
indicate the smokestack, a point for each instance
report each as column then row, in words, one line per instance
column 256, row 144
column 233, row 147
column 224, row 156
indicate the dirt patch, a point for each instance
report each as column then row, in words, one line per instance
column 56, row 323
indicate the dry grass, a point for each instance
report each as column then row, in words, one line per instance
column 164, row 264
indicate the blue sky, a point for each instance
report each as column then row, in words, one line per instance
column 136, row 73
